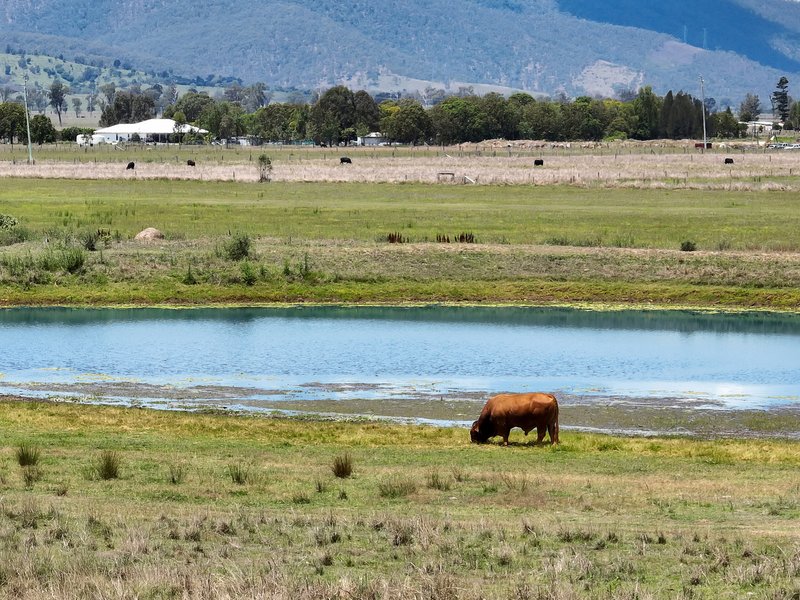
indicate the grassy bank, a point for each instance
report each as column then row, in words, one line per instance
column 328, row 242
column 220, row 506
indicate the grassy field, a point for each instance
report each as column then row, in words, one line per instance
column 131, row 503
column 327, row 242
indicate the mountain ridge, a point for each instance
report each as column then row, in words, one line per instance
column 539, row 46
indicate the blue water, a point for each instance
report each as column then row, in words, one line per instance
column 725, row 361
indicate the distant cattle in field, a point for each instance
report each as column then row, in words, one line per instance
column 345, row 160
column 131, row 166
column 190, row 162
column 728, row 161
column 538, row 162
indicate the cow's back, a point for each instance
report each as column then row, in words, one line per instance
column 522, row 406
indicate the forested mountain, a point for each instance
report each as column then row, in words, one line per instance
column 546, row 46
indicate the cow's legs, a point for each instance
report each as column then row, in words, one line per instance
column 540, row 431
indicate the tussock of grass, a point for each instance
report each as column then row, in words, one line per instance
column 27, row 455
column 342, row 466
column 107, row 465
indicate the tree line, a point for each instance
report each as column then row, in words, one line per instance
column 340, row 115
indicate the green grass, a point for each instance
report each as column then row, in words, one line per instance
column 594, row 517
column 326, row 242
column 368, row 212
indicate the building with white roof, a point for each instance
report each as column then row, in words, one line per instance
column 152, row 130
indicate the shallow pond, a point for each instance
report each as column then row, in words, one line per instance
column 376, row 360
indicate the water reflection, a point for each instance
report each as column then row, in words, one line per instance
column 307, row 353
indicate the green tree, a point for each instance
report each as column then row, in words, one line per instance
column 58, row 98
column 223, row 119
column 42, row 130
column 406, row 122
column 128, row 107
column 367, row 114
column 190, row 104
column 12, row 122
column 333, row 116
column 77, row 106
column 750, row 108
column 780, row 100
column 647, row 108
column 726, row 125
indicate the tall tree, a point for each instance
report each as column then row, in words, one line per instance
column 333, row 116
column 780, row 100
column 647, row 107
column 12, row 122
column 77, row 106
column 58, row 98
column 750, row 108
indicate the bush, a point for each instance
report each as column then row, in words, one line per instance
column 8, row 222
column 342, row 466
column 688, row 246
column 237, row 247
column 16, row 235
column 249, row 275
column 72, row 259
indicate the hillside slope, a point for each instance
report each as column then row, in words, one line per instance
column 545, row 46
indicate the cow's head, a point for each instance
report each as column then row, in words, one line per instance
column 477, row 435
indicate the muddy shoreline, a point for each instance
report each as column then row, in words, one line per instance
column 613, row 415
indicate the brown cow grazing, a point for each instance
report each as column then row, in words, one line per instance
column 503, row 412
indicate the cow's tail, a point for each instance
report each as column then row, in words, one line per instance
column 552, row 426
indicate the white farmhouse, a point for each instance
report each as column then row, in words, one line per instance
column 155, row 130
column 372, row 139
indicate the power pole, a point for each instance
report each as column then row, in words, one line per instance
column 27, row 118
column 703, row 100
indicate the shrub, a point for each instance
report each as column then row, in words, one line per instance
column 27, row 455
column 8, row 222
column 237, row 247
column 264, row 169
column 342, row 466
column 108, row 465
column 249, row 275
column 688, row 246
column 189, row 278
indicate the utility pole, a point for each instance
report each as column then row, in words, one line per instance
column 27, row 118
column 703, row 100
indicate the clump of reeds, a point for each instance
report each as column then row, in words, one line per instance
column 466, row 237
column 396, row 238
column 342, row 466
column 239, row 473
column 437, row 482
column 107, row 465
column 27, row 455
